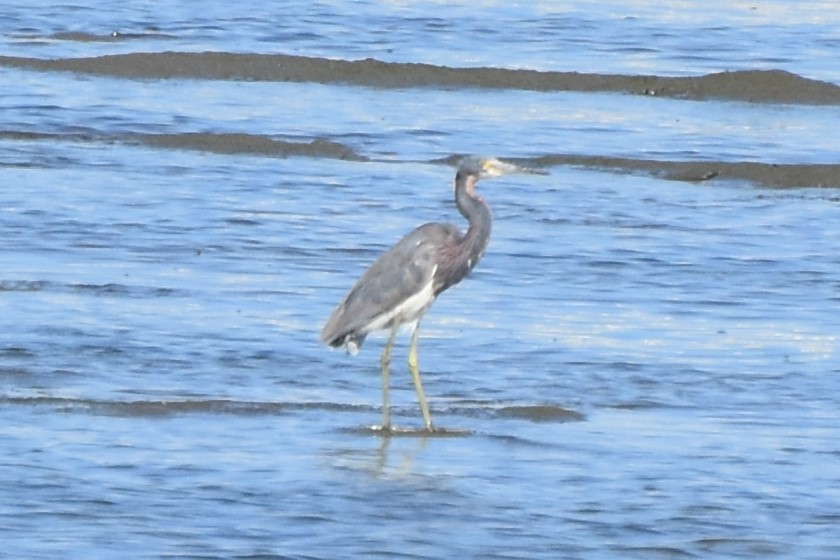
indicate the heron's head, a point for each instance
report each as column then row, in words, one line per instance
column 485, row 167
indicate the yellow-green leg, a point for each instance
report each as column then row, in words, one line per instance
column 385, row 364
column 418, row 384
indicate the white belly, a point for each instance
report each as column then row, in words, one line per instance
column 409, row 311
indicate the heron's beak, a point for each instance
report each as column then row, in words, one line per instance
column 495, row 167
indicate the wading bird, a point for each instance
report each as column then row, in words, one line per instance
column 404, row 282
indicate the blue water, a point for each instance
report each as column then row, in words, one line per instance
column 639, row 368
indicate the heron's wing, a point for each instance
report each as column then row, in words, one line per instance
column 402, row 272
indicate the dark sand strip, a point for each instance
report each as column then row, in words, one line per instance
column 765, row 174
column 241, row 143
column 220, row 143
column 793, row 175
column 756, row 86
column 761, row 174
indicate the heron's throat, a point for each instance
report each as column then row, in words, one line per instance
column 477, row 213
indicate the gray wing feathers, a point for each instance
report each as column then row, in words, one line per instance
column 401, row 272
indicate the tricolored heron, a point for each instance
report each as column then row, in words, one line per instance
column 404, row 282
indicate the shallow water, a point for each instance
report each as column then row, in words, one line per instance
column 639, row 367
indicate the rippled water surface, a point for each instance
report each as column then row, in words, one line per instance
column 644, row 365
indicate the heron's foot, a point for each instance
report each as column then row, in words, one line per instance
column 427, row 431
column 387, row 430
column 382, row 429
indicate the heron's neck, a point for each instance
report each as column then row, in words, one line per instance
column 477, row 213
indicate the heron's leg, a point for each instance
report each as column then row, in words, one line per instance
column 418, row 384
column 385, row 364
